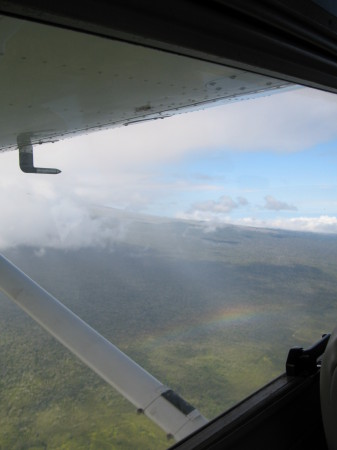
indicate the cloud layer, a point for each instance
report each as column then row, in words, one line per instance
column 277, row 205
column 322, row 224
column 225, row 204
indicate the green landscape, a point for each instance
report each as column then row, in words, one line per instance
column 211, row 313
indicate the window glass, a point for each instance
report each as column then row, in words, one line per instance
column 203, row 246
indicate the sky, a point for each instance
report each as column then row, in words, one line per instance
column 267, row 162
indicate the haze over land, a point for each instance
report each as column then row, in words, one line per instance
column 211, row 313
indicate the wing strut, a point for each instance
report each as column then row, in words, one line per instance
column 162, row 405
column 26, row 159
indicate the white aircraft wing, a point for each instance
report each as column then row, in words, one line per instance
column 57, row 83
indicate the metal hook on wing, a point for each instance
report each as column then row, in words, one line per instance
column 26, row 157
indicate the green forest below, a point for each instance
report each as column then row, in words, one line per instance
column 210, row 314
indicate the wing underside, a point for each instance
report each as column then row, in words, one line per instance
column 57, row 83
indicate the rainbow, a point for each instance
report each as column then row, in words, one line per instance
column 210, row 321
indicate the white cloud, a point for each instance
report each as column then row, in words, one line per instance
column 64, row 223
column 224, row 205
column 44, row 212
column 242, row 201
column 211, row 208
column 322, row 224
column 276, row 205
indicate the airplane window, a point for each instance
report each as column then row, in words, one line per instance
column 202, row 245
